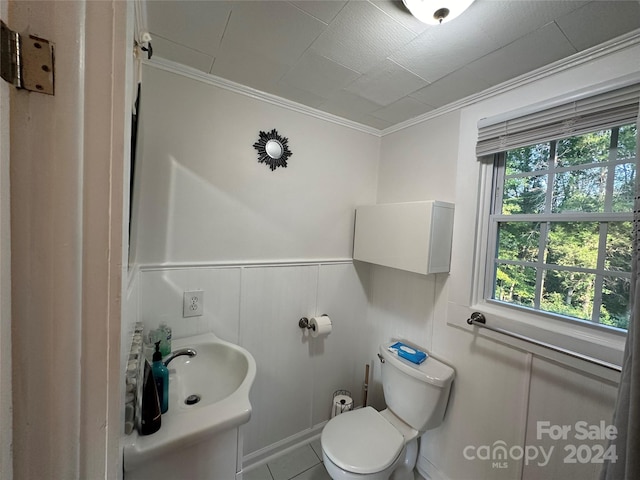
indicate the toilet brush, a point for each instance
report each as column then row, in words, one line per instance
column 365, row 387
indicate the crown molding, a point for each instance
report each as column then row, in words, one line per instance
column 623, row 42
column 210, row 79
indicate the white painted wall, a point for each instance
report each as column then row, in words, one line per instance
column 419, row 163
column 500, row 392
column 266, row 247
column 204, row 197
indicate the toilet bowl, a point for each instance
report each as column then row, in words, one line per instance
column 365, row 444
column 368, row 445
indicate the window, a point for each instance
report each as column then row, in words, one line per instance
column 561, row 226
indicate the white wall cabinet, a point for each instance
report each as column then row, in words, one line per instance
column 413, row 236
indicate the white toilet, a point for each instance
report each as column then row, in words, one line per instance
column 365, row 444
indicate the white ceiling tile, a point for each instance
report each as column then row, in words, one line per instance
column 454, row 86
column 197, row 25
column 248, row 68
column 539, row 48
column 343, row 102
column 177, row 53
column 361, row 36
column 599, row 15
column 445, row 48
column 296, row 95
column 386, row 83
column 396, row 10
column 321, row 9
column 508, row 20
column 356, row 116
column 273, row 29
column 402, row 110
column 360, row 55
column 319, row 75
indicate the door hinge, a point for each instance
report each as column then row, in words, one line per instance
column 26, row 62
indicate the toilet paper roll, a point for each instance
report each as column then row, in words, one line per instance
column 320, row 326
column 341, row 404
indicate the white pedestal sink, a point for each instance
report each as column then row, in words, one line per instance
column 200, row 440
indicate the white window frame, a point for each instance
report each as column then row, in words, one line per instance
column 594, row 341
column 600, row 217
column 606, row 344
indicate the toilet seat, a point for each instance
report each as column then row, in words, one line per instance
column 362, row 441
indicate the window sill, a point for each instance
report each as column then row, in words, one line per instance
column 601, row 343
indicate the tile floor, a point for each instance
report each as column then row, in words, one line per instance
column 303, row 463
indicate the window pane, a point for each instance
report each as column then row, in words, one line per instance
column 518, row 241
column 579, row 191
column 623, row 187
column 619, row 249
column 615, row 302
column 568, row 293
column 573, row 244
column 589, row 148
column 527, row 159
column 573, row 268
column 524, row 195
column 515, row 284
column 627, row 141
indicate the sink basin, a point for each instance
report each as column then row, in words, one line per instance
column 220, row 377
column 215, row 373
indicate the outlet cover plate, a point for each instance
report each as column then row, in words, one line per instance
column 193, row 303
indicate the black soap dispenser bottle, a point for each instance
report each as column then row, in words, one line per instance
column 161, row 376
column 150, row 415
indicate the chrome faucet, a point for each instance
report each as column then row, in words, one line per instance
column 190, row 352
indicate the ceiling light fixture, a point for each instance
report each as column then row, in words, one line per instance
column 435, row 12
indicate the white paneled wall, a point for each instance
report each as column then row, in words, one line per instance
column 574, row 397
column 259, row 307
column 273, row 300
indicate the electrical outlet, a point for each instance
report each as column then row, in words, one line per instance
column 193, row 303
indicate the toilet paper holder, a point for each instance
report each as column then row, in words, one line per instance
column 304, row 322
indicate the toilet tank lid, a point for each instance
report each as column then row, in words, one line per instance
column 430, row 371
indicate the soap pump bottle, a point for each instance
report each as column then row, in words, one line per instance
column 161, row 377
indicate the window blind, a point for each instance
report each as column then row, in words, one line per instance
column 604, row 110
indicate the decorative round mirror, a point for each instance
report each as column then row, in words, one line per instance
column 272, row 149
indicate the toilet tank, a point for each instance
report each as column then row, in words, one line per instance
column 417, row 394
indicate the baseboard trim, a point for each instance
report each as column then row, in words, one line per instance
column 428, row 470
column 268, row 453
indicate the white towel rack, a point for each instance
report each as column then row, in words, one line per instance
column 479, row 320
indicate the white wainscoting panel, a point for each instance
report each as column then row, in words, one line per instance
column 338, row 360
column 273, row 299
column 563, row 396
